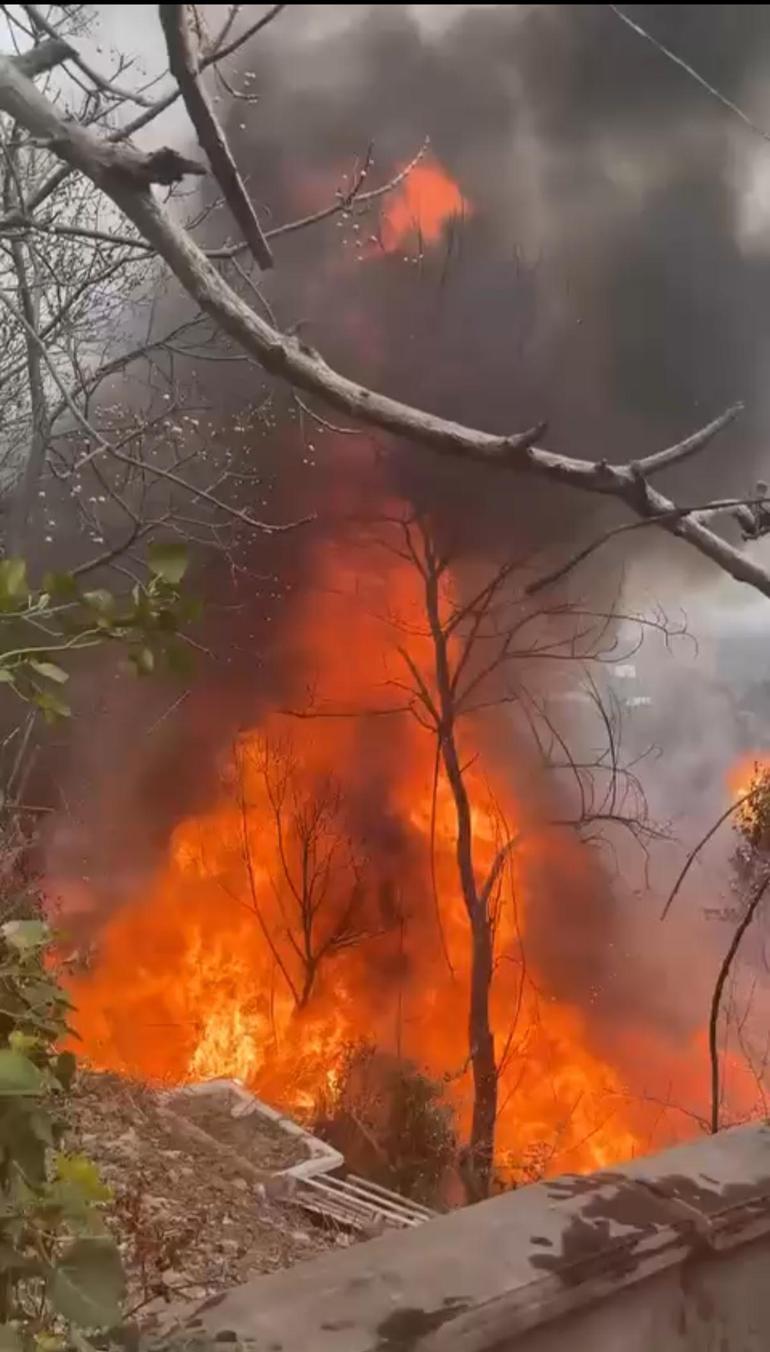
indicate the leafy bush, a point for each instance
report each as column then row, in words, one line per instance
column 752, row 819
column 390, row 1121
column 59, row 1270
column 42, row 628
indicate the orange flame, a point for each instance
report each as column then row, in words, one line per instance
column 199, row 976
column 421, row 207
column 746, row 771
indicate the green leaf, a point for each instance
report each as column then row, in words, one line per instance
column 52, row 706
column 19, row 1075
column 64, row 1068
column 190, row 609
column 50, row 671
column 25, row 935
column 87, row 1285
column 61, row 585
column 7, row 676
column 26, row 1043
column 102, row 602
column 21, row 1144
column 13, row 582
column 168, row 559
column 10, row 1341
column 82, row 1174
column 144, row 661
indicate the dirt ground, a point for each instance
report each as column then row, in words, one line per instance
column 256, row 1138
column 189, row 1221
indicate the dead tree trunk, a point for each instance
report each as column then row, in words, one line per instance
column 480, row 1037
column 482, row 1051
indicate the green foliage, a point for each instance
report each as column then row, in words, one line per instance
column 40, row 630
column 59, row 1270
column 391, row 1121
column 753, row 816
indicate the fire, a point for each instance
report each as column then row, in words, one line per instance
column 750, row 775
column 202, row 975
column 422, row 206
column 744, row 772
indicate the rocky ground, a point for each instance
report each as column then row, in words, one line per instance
column 190, row 1218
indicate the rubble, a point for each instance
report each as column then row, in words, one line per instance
column 191, row 1215
column 254, row 1137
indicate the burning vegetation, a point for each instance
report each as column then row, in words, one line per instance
column 369, row 869
column 372, row 871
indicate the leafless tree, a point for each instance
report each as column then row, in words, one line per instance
column 728, row 1015
column 319, row 884
column 106, row 436
column 83, row 141
column 489, row 645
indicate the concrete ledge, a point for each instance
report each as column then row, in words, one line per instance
column 497, row 1275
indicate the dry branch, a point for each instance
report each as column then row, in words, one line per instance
column 183, row 63
column 716, row 998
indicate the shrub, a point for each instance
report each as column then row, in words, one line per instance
column 391, row 1122
column 59, row 1270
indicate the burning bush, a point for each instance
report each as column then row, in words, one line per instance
column 753, row 816
column 390, row 1121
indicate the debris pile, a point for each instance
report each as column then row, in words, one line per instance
column 199, row 1202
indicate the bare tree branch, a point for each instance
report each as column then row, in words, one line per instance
column 653, row 464
column 689, row 70
column 183, row 63
column 41, row 25
column 704, row 840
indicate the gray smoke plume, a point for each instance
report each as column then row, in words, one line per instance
column 612, row 276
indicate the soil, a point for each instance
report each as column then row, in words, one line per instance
column 190, row 1222
column 255, row 1137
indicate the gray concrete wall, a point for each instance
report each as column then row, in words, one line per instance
column 669, row 1252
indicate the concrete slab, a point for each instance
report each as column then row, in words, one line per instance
column 494, row 1276
column 724, row 1180
column 537, row 1247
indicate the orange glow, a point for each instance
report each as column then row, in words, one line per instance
column 187, row 983
column 743, row 772
column 421, row 207
column 750, row 775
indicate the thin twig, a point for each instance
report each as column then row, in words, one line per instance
column 716, row 999
column 690, row 70
column 692, row 856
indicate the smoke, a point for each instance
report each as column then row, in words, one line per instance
column 612, row 278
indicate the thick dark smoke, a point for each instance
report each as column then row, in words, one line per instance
column 613, row 277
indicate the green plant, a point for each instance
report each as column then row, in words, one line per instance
column 59, row 1270
column 42, row 628
column 390, row 1120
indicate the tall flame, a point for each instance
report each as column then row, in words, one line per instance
column 199, row 976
